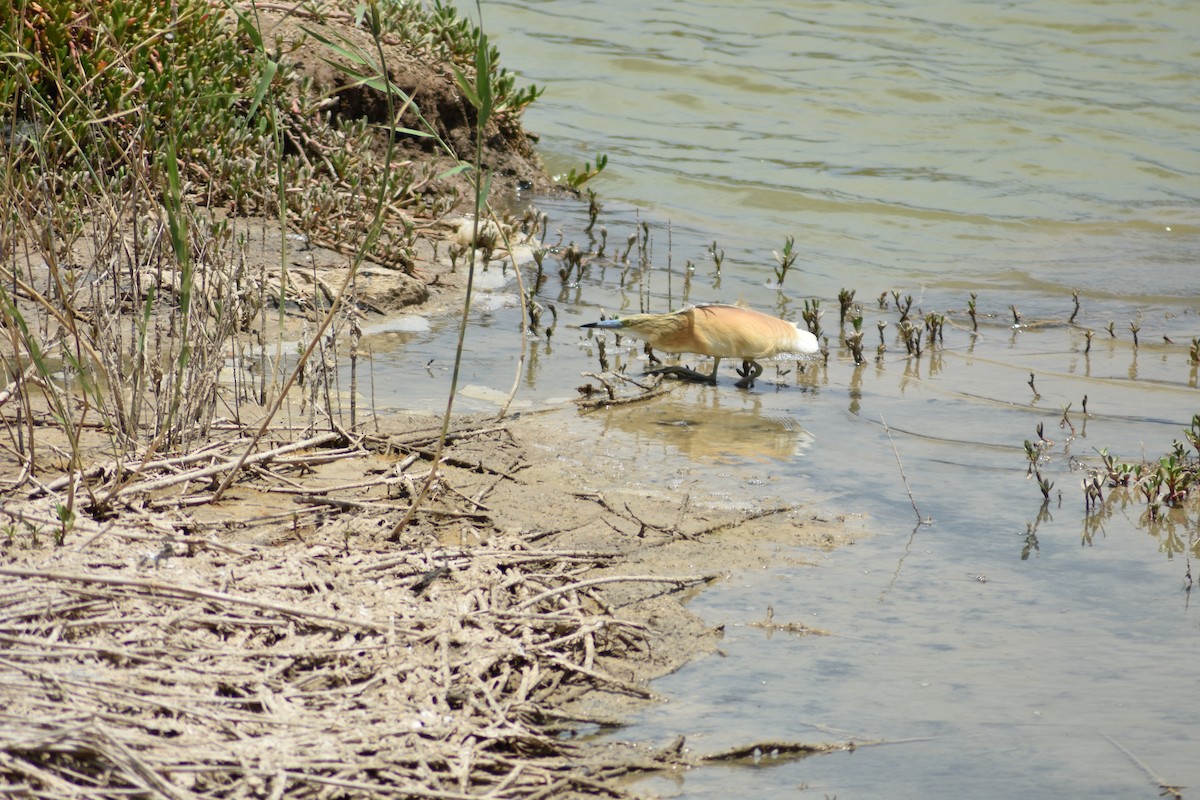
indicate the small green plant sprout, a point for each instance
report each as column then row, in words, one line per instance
column 784, row 260
column 812, row 316
column 845, row 303
column 717, row 255
column 911, row 334
column 905, row 307
column 593, row 210
column 935, row 323
column 530, row 219
column 575, row 179
column 855, row 340
column 1192, row 433
column 879, row 351
column 883, row 301
column 1112, row 332
column 572, row 260
column 456, row 251
column 539, row 278
column 1065, row 422
column 1115, row 473
column 1036, row 395
column 1045, row 485
column 1016, row 316
column 971, row 311
column 1150, row 486
column 1087, row 335
column 33, row 531
column 1093, row 494
column 1168, row 483
column 1176, row 477
column 630, row 241
column 535, row 313
column 1075, row 312
column 1045, row 443
column 1134, row 328
column 66, row 522
column 603, row 242
column 1033, row 453
column 1194, row 351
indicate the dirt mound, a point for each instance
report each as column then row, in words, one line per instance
column 438, row 103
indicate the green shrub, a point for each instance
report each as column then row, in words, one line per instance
column 112, row 81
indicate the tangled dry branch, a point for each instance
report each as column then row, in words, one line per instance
column 148, row 656
column 285, row 683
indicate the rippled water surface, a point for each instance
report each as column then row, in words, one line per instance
column 1020, row 151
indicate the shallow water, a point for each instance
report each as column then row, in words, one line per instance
column 1020, row 151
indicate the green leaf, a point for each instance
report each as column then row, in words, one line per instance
column 462, row 167
column 487, row 185
column 464, row 85
column 264, row 82
column 354, row 55
column 247, row 26
column 483, row 78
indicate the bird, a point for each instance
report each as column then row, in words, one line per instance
column 717, row 330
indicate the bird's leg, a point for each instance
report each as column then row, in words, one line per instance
column 749, row 371
column 689, row 374
column 712, row 376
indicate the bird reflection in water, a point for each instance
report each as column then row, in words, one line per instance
column 714, row 432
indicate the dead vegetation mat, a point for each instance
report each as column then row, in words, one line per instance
column 287, row 641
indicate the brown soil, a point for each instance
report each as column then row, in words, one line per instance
column 508, row 155
column 292, row 640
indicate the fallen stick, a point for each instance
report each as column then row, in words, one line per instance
column 609, row 400
column 224, row 466
column 207, row 452
column 773, row 751
column 185, row 592
column 682, row 580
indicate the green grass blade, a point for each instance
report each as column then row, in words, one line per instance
column 483, row 79
column 463, row 167
column 465, row 87
column 264, row 82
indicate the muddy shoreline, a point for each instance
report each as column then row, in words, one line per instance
column 289, row 629
column 253, row 615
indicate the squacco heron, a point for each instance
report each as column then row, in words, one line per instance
column 720, row 331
